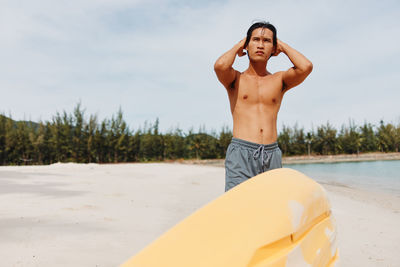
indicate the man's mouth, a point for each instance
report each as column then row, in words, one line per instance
column 260, row 53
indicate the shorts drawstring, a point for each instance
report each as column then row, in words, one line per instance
column 243, row 162
column 261, row 151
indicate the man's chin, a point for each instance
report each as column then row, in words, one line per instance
column 258, row 59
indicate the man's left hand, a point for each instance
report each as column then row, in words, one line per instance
column 279, row 48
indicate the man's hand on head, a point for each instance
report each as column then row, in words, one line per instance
column 241, row 51
column 279, row 48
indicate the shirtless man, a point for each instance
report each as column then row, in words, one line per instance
column 255, row 97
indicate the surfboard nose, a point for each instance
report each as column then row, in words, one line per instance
column 278, row 218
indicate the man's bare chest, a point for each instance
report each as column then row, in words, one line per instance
column 265, row 91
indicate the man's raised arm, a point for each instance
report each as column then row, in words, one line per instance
column 223, row 66
column 301, row 69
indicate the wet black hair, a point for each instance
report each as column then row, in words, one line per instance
column 264, row 25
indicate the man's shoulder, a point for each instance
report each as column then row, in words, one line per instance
column 278, row 74
column 276, row 77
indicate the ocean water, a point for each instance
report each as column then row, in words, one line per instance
column 370, row 175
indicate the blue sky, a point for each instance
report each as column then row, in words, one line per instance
column 155, row 59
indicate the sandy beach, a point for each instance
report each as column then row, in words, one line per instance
column 101, row 215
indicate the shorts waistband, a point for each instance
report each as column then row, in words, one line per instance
column 252, row 145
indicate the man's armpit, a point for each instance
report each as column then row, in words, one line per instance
column 232, row 85
column 284, row 86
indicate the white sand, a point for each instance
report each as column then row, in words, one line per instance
column 101, row 215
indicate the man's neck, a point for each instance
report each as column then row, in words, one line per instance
column 257, row 68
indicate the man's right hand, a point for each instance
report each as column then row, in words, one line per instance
column 240, row 51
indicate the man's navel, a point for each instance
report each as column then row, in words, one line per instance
column 261, row 130
column 245, row 96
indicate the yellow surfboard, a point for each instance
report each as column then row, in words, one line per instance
column 278, row 218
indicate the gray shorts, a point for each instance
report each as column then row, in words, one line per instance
column 245, row 159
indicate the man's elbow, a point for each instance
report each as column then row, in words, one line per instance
column 305, row 69
column 220, row 66
column 217, row 66
column 308, row 67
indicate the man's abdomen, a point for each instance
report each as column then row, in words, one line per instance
column 255, row 128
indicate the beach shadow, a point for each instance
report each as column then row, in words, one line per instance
column 24, row 175
column 23, row 228
column 49, row 189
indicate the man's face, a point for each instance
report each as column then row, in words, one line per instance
column 260, row 46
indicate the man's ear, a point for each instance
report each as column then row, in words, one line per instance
column 273, row 51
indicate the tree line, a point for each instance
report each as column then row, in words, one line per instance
column 350, row 139
column 76, row 138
